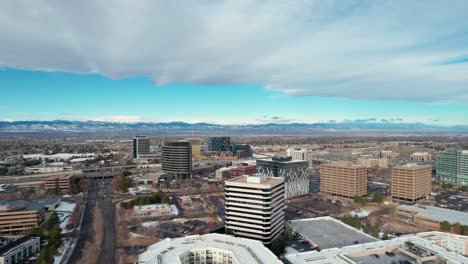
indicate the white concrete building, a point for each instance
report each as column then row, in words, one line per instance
column 406, row 249
column 301, row 154
column 42, row 169
column 421, row 156
column 451, row 242
column 20, row 250
column 255, row 207
column 151, row 210
column 209, row 248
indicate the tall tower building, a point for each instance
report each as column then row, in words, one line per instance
column 176, row 159
column 294, row 172
column 255, row 207
column 219, row 144
column 452, row 166
column 141, row 146
column 343, row 178
column 411, row 182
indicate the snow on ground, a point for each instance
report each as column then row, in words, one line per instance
column 134, row 235
column 61, row 250
column 359, row 213
column 65, row 206
column 64, row 211
column 150, row 224
column 174, row 210
column 290, row 250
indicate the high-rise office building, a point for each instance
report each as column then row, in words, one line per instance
column 411, row 182
column 176, row 159
column 344, row 179
column 452, row 166
column 301, row 154
column 219, row 144
column 294, row 172
column 141, row 147
column 255, row 207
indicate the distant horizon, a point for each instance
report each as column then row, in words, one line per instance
column 357, row 121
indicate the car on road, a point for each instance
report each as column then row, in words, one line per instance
column 374, row 256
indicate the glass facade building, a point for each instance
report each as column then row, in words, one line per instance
column 452, row 166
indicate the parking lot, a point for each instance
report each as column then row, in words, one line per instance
column 454, row 200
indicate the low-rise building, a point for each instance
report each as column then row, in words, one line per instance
column 406, row 249
column 20, row 250
column 61, row 182
column 42, row 169
column 49, row 203
column 209, row 248
column 151, row 210
column 223, row 173
column 431, row 216
column 373, row 163
column 451, row 242
column 243, row 170
column 20, row 216
column 421, row 156
column 327, row 232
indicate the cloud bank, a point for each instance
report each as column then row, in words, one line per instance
column 402, row 50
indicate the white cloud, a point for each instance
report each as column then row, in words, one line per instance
column 353, row 49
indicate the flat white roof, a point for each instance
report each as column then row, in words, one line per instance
column 243, row 250
column 437, row 213
column 327, row 232
column 345, row 255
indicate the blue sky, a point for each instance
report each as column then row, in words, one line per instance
column 32, row 95
column 231, row 61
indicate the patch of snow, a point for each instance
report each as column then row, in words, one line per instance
column 174, row 210
column 150, row 224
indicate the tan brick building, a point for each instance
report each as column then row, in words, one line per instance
column 344, row 179
column 60, row 181
column 411, row 182
column 20, row 216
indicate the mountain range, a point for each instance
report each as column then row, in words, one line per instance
column 64, row 126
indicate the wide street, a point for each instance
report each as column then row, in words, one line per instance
column 100, row 195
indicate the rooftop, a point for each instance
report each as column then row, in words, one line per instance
column 437, row 213
column 413, row 166
column 283, row 159
column 327, row 232
column 268, row 181
column 363, row 253
column 13, row 245
column 242, row 250
column 343, row 164
column 19, row 205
